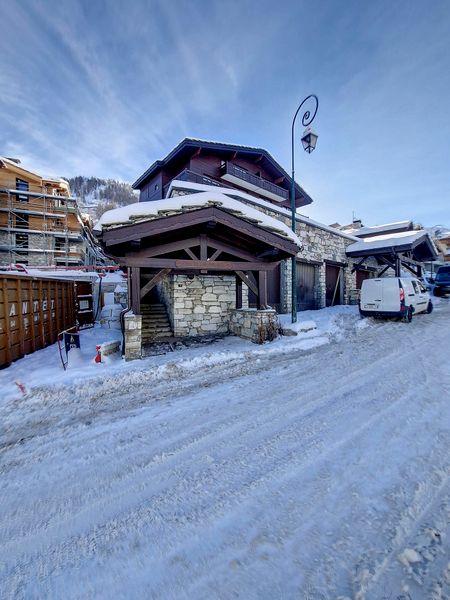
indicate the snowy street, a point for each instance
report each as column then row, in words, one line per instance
column 317, row 473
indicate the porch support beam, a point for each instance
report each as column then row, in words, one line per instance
column 183, row 264
column 135, row 290
column 153, row 281
column 165, row 248
column 248, row 282
column 262, row 290
column 238, row 292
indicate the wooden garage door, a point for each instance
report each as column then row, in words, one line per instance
column 273, row 290
column 306, row 284
column 360, row 276
column 333, row 282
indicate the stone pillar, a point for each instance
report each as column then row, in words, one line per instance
column 259, row 326
column 133, row 336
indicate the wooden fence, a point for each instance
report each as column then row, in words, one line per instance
column 33, row 310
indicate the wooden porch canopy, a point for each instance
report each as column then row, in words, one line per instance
column 208, row 240
column 408, row 250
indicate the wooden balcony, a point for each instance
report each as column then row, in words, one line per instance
column 241, row 177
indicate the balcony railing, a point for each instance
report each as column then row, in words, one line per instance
column 232, row 172
column 187, row 175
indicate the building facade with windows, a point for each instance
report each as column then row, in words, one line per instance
column 40, row 223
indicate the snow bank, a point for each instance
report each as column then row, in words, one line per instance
column 140, row 211
column 44, row 368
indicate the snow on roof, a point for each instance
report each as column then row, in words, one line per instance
column 388, row 240
column 380, row 228
column 141, row 211
column 187, row 185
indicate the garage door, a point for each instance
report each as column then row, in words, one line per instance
column 333, row 282
column 360, row 276
column 306, row 284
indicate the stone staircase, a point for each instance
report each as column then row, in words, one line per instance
column 155, row 323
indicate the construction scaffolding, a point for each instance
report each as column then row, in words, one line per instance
column 37, row 213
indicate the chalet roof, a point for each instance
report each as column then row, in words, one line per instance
column 146, row 211
column 188, row 144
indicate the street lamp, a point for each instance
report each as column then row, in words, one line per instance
column 309, row 141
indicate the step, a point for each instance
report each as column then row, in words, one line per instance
column 157, row 336
column 156, row 331
column 161, row 321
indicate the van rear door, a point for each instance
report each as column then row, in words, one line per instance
column 391, row 294
column 371, row 294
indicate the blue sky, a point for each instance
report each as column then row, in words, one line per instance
column 105, row 88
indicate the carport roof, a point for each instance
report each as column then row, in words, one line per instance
column 418, row 243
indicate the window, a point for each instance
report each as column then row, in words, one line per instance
column 22, row 221
column 415, row 286
column 22, row 185
column 22, row 240
column 60, row 243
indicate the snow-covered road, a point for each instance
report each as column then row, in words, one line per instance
column 309, row 475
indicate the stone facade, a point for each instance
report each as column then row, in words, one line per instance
column 201, row 304
column 133, row 336
column 259, row 326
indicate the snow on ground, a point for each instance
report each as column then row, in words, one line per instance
column 45, row 367
column 270, row 472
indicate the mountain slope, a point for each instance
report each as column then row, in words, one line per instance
column 98, row 195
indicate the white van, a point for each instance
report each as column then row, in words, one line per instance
column 394, row 297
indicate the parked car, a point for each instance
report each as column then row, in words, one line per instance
column 442, row 281
column 394, row 297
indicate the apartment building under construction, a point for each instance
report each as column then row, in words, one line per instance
column 40, row 223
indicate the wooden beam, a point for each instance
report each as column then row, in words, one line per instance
column 383, row 271
column 247, row 282
column 359, row 263
column 262, row 289
column 153, row 281
column 165, row 248
column 184, row 264
column 216, row 254
column 135, row 290
column 279, row 180
column 238, row 292
column 191, row 254
column 229, row 249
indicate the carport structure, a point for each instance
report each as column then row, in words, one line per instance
column 408, row 250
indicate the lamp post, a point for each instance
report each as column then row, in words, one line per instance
column 309, row 140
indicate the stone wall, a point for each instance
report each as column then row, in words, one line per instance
column 133, row 336
column 259, row 326
column 202, row 304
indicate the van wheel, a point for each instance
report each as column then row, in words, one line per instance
column 408, row 316
column 429, row 307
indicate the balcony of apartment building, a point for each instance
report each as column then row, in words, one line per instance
column 188, row 175
column 241, row 177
